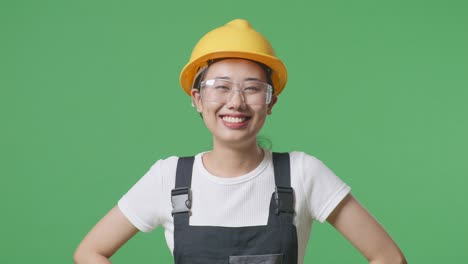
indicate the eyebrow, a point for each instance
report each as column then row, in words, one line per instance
column 252, row 79
column 246, row 79
column 222, row 77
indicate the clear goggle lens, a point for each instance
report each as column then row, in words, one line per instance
column 221, row 91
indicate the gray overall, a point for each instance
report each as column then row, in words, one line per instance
column 274, row 243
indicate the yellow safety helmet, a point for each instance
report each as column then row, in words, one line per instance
column 236, row 39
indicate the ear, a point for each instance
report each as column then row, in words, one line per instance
column 274, row 99
column 196, row 100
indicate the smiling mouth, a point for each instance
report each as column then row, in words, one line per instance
column 235, row 120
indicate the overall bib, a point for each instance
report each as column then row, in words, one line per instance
column 274, row 243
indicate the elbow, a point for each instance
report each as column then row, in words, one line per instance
column 397, row 258
column 403, row 260
column 77, row 257
column 82, row 256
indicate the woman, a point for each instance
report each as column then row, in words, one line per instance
column 237, row 203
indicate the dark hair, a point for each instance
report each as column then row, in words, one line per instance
column 264, row 142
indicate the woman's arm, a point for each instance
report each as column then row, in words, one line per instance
column 106, row 237
column 355, row 223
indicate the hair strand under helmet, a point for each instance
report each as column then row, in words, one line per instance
column 236, row 39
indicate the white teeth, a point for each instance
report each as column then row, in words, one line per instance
column 232, row 119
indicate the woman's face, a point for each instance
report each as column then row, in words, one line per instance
column 233, row 122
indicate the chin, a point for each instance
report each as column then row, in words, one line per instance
column 236, row 139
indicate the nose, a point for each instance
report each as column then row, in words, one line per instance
column 236, row 99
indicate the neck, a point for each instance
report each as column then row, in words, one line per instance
column 232, row 161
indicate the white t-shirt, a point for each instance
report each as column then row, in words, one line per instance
column 234, row 202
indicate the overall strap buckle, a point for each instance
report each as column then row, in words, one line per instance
column 181, row 199
column 284, row 200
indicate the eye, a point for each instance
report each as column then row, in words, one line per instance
column 252, row 89
column 222, row 88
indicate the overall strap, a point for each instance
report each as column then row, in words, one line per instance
column 284, row 194
column 181, row 195
column 281, row 165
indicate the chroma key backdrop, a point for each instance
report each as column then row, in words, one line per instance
column 90, row 99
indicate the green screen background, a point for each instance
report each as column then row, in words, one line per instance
column 89, row 100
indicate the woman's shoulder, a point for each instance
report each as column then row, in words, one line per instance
column 169, row 162
column 302, row 154
column 303, row 157
column 166, row 162
column 303, row 162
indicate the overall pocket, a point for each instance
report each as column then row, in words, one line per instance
column 257, row 259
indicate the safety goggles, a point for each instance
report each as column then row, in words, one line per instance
column 252, row 92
